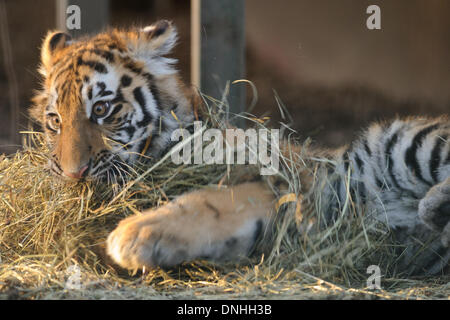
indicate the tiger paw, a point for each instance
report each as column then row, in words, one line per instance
column 147, row 240
column 208, row 224
column 434, row 209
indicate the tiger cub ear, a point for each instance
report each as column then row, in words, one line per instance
column 54, row 41
column 155, row 40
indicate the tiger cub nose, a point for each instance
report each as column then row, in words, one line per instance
column 79, row 174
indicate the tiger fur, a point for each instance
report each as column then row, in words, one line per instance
column 108, row 98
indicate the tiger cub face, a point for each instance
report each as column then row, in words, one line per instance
column 108, row 99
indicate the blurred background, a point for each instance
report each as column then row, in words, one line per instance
column 332, row 73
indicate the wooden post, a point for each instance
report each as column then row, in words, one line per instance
column 218, row 49
column 11, row 77
column 94, row 15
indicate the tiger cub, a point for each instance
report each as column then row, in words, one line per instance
column 108, row 98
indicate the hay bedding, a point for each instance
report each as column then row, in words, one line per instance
column 52, row 242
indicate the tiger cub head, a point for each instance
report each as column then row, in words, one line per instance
column 108, row 99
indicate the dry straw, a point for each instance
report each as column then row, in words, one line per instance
column 52, row 237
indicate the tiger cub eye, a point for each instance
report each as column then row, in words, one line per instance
column 101, row 108
column 54, row 122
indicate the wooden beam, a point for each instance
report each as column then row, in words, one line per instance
column 218, row 49
column 94, row 15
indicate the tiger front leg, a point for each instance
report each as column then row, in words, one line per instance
column 434, row 210
column 219, row 224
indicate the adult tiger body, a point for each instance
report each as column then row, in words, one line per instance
column 108, row 98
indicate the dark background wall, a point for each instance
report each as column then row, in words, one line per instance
column 335, row 75
column 327, row 42
column 332, row 73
